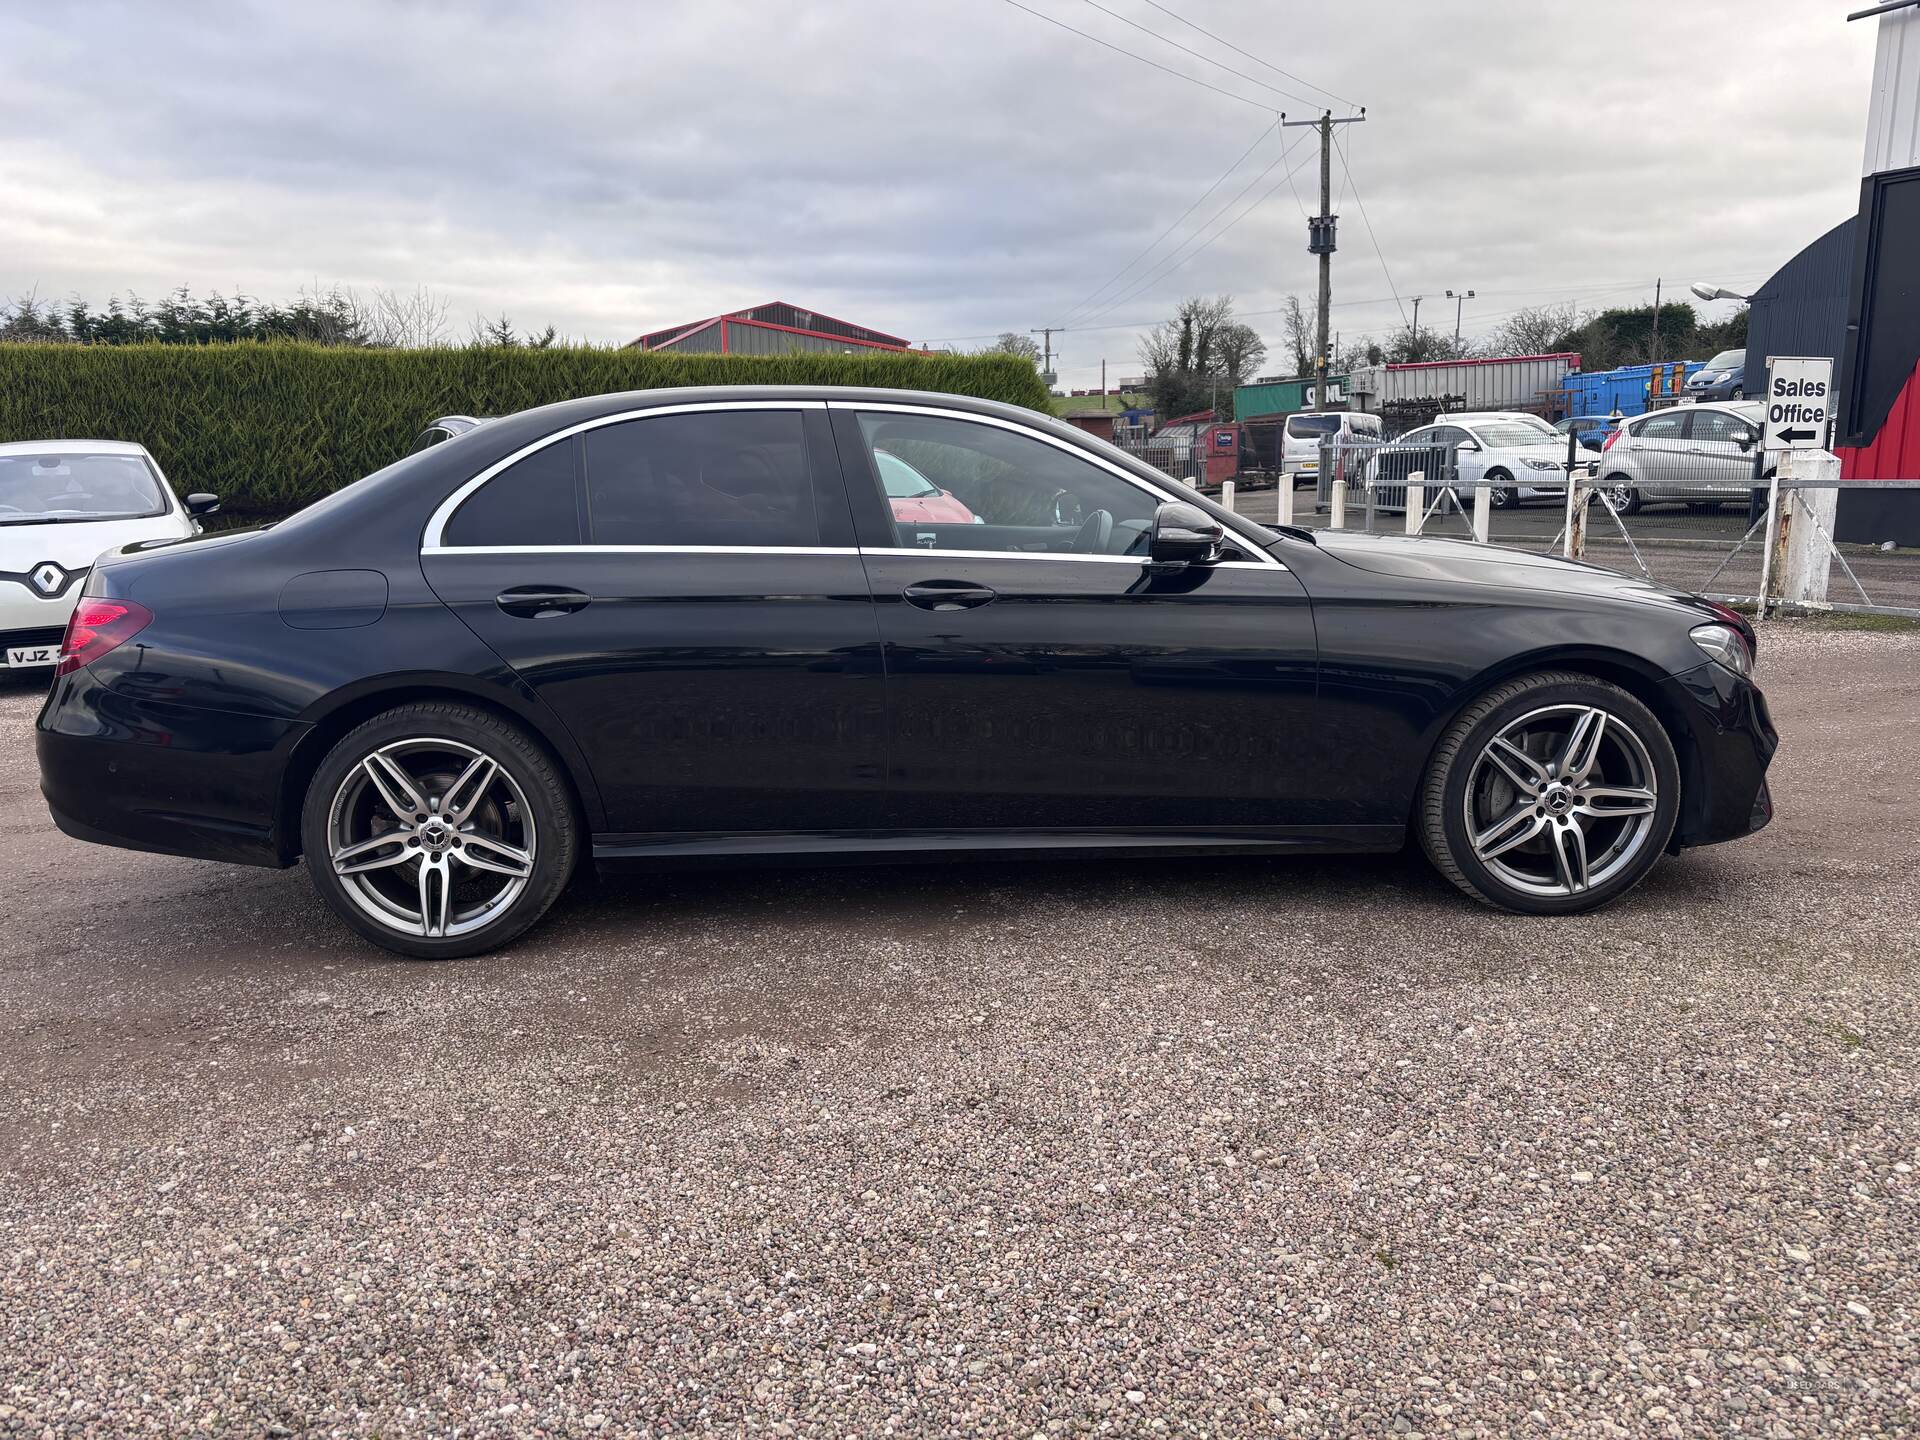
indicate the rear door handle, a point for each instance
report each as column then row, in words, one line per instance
column 947, row 595
column 535, row 602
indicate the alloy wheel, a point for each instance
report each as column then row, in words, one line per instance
column 1561, row 800
column 431, row 837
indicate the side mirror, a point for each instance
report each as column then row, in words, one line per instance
column 1184, row 535
column 1743, row 438
column 1466, row 445
column 202, row 503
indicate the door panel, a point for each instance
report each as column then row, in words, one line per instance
column 725, row 680
column 1097, row 694
column 1659, row 451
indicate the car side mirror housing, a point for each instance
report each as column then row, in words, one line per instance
column 202, row 502
column 1466, row 445
column 1744, row 439
column 1184, row 535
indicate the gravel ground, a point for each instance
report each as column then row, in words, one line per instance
column 1253, row 1147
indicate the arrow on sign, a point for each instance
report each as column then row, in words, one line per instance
column 1792, row 435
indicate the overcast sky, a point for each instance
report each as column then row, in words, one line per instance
column 944, row 169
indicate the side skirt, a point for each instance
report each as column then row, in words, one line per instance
column 881, row 847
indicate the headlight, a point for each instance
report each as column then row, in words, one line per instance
column 1724, row 646
column 1541, row 464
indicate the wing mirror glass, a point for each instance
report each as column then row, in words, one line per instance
column 1184, row 535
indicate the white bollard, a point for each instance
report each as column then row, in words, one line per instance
column 1416, row 501
column 1285, row 497
column 1338, row 514
column 1482, row 510
column 1226, row 494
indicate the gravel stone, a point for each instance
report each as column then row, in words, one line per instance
column 1311, row 1148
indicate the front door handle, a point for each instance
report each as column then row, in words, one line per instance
column 535, row 602
column 947, row 595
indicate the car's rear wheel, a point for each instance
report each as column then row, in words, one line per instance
column 1551, row 794
column 1621, row 495
column 439, row 830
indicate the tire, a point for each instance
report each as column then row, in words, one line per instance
column 1502, row 493
column 1737, row 393
column 500, row 852
column 1620, row 833
column 1620, row 491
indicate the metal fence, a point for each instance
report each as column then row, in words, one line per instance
column 1703, row 523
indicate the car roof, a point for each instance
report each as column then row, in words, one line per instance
column 1476, row 417
column 72, row 447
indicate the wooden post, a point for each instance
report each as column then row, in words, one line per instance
column 1482, row 510
column 1285, row 497
column 1416, row 501
column 1338, row 521
column 1226, row 494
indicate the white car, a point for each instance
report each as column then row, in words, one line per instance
column 62, row 502
column 1520, row 456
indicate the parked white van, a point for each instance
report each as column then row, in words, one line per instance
column 1300, row 440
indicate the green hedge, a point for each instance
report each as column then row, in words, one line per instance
column 270, row 427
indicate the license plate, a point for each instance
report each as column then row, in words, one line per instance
column 23, row 656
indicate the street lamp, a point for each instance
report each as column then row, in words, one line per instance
column 1458, row 302
column 1716, row 292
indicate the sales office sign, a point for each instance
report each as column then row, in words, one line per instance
column 1799, row 403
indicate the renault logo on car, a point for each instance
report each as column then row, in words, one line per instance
column 48, row 578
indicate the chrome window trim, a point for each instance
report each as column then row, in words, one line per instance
column 1135, row 560
column 1138, row 482
column 638, row 550
column 431, row 541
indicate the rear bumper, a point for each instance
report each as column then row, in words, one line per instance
column 144, row 773
column 1724, row 767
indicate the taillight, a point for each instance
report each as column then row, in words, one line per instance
column 1613, row 435
column 98, row 626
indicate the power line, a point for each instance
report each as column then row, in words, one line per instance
column 1298, row 79
column 1198, row 55
column 1119, row 50
column 1265, row 130
column 1358, row 200
column 1175, row 260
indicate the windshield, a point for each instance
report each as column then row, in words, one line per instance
column 51, row 488
column 1300, row 426
column 1728, row 360
column 1505, row 434
column 903, row 482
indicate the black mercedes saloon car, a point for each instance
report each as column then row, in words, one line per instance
column 690, row 626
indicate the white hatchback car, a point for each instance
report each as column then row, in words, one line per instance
column 62, row 502
column 1684, row 455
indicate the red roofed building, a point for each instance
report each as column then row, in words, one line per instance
column 776, row 328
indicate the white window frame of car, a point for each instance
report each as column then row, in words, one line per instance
column 432, row 541
column 1266, row 562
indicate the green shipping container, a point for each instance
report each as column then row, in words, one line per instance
column 1278, row 397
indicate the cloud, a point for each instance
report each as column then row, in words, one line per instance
column 939, row 168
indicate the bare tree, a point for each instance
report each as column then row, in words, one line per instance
column 1240, row 350
column 416, row 320
column 1535, row 330
column 1010, row 343
column 1299, row 332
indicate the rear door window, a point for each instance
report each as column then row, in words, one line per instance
column 1667, row 425
column 721, row 478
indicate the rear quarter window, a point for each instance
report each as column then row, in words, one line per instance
column 534, row 501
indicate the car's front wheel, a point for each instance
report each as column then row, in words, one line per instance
column 1504, row 495
column 439, row 830
column 1552, row 794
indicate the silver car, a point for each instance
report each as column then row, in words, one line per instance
column 1685, row 455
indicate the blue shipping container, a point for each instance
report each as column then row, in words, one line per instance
column 1624, row 390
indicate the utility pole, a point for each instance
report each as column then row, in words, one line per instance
column 1459, row 302
column 1656, row 322
column 1103, row 377
column 1414, row 349
column 1046, row 365
column 1320, row 238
